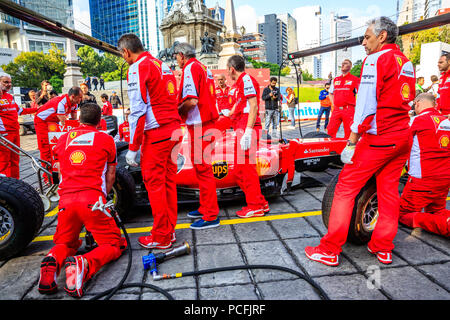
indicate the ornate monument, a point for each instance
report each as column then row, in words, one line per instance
column 190, row 21
column 231, row 35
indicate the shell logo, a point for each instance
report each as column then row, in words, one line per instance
column 170, row 87
column 52, row 127
column 444, row 141
column 406, row 91
column 262, row 166
column 77, row 157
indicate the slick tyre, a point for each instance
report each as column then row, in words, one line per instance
column 21, row 216
column 364, row 215
column 123, row 193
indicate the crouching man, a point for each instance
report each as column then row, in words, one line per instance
column 429, row 180
column 87, row 164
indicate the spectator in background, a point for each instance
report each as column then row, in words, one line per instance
column 102, row 83
column 43, row 95
column 53, row 94
column 435, row 85
column 115, row 100
column 32, row 103
column 87, row 81
column 95, row 83
column 107, row 107
column 419, row 86
column 325, row 107
column 271, row 95
column 291, row 105
column 87, row 96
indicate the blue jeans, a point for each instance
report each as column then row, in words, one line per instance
column 323, row 110
column 292, row 115
column 272, row 117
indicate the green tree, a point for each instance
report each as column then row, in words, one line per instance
column 28, row 69
column 274, row 68
column 427, row 36
column 306, row 76
column 106, row 65
column 57, row 83
column 356, row 70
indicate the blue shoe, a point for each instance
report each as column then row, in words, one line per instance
column 202, row 224
column 194, row 214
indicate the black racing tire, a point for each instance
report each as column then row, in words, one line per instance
column 21, row 216
column 123, row 193
column 315, row 134
column 364, row 215
column 22, row 130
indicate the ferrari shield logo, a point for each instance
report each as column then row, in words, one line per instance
column 220, row 169
column 400, row 62
column 73, row 135
column 437, row 120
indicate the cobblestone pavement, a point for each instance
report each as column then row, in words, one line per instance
column 421, row 267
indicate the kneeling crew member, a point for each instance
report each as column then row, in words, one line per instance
column 248, row 125
column 153, row 120
column 87, row 165
column 428, row 184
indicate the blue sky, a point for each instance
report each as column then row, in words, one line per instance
column 248, row 11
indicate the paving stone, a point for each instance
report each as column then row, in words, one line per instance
column 354, row 287
column 235, row 292
column 222, row 256
column 269, row 253
column 437, row 241
column 288, row 290
column 257, row 231
column 408, row 284
column 439, row 272
column 416, row 251
column 317, row 223
column 297, row 246
column 219, row 235
column 302, row 201
column 294, row 228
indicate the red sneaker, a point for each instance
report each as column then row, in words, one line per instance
column 316, row 254
column 266, row 208
column 246, row 212
column 174, row 238
column 383, row 257
column 76, row 275
column 148, row 243
column 47, row 278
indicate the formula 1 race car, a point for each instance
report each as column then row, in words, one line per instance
column 279, row 165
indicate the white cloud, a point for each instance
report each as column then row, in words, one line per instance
column 246, row 16
column 82, row 20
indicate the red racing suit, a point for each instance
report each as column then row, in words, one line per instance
column 153, row 121
column 9, row 127
column 443, row 99
column 48, row 113
column 107, row 109
column 344, row 89
column 428, row 185
column 84, row 154
column 381, row 117
column 224, row 100
column 198, row 82
column 124, row 131
column 245, row 161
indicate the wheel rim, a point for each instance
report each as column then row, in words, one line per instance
column 370, row 215
column 6, row 224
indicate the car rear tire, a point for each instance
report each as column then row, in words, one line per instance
column 315, row 135
column 21, row 216
column 123, row 193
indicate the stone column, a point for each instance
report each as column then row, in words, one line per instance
column 230, row 47
column 73, row 76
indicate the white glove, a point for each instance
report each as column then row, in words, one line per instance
column 226, row 112
column 246, row 140
column 347, row 154
column 131, row 158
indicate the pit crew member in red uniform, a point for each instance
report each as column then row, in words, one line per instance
column 87, row 165
column 124, row 128
column 343, row 96
column 153, row 119
column 55, row 110
column 379, row 145
column 107, row 109
column 443, row 100
column 197, row 107
column 248, row 126
column 428, row 185
column 223, row 95
column 9, row 127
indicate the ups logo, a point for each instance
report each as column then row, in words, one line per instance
column 220, row 169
